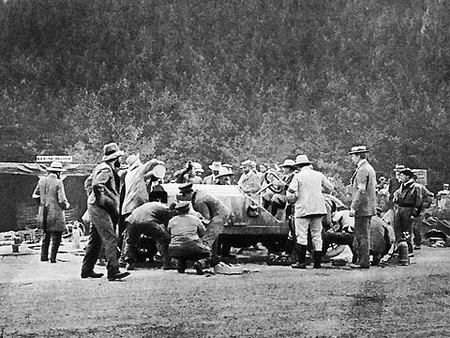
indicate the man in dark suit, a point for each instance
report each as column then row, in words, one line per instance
column 363, row 205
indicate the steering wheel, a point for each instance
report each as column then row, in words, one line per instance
column 269, row 179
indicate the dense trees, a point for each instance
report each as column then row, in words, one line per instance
column 228, row 80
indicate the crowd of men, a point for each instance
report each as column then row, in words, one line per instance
column 126, row 202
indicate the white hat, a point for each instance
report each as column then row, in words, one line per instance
column 288, row 163
column 197, row 167
column 224, row 172
column 302, row 160
column 216, row 165
column 55, row 166
column 358, row 150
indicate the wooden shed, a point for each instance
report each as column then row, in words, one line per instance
column 18, row 210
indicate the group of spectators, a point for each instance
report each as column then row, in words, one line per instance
column 126, row 202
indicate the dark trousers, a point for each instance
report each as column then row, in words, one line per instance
column 362, row 240
column 417, row 230
column 403, row 223
column 101, row 232
column 151, row 229
column 55, row 237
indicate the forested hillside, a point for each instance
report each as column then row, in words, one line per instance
column 228, row 80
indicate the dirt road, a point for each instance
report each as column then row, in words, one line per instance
column 50, row 300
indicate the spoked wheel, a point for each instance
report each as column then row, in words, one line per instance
column 334, row 250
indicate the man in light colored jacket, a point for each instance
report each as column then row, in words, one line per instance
column 305, row 191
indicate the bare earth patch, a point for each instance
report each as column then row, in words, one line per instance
column 51, row 300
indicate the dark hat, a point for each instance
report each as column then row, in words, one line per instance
column 182, row 206
column 358, row 150
column 185, row 187
column 111, row 151
column 407, row 172
column 399, row 167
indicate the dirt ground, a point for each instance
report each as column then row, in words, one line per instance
column 51, row 300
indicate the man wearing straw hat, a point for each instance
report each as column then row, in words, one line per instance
column 215, row 167
column 103, row 209
column 364, row 204
column 305, row 191
column 53, row 202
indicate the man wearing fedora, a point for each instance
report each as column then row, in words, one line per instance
column 103, row 209
column 364, row 204
column 249, row 182
column 305, row 191
column 408, row 198
column 215, row 168
column 52, row 203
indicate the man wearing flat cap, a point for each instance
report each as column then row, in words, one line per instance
column 214, row 211
column 408, row 198
column 186, row 231
column 364, row 204
column 103, row 209
column 53, row 201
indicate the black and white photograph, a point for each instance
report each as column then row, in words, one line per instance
column 257, row 168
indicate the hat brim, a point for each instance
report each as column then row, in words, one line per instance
column 287, row 165
column 55, row 169
column 224, row 175
column 302, row 163
column 359, row 152
column 214, row 167
column 112, row 156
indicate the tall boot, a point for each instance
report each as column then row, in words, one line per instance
column 317, row 259
column 301, row 263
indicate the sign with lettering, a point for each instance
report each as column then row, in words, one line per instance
column 421, row 175
column 51, row 158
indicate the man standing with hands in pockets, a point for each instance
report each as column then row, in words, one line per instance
column 363, row 205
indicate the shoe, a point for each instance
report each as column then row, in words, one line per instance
column 129, row 266
column 44, row 259
column 417, row 247
column 118, row 275
column 91, row 275
column 298, row 266
column 357, row 266
column 53, row 261
column 228, row 269
column 198, row 268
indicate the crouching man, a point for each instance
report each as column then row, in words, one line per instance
column 213, row 211
column 150, row 219
column 185, row 245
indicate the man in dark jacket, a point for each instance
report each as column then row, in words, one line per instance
column 213, row 211
column 53, row 202
column 408, row 198
column 103, row 209
column 364, row 204
column 150, row 219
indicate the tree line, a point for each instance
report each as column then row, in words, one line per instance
column 228, row 80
